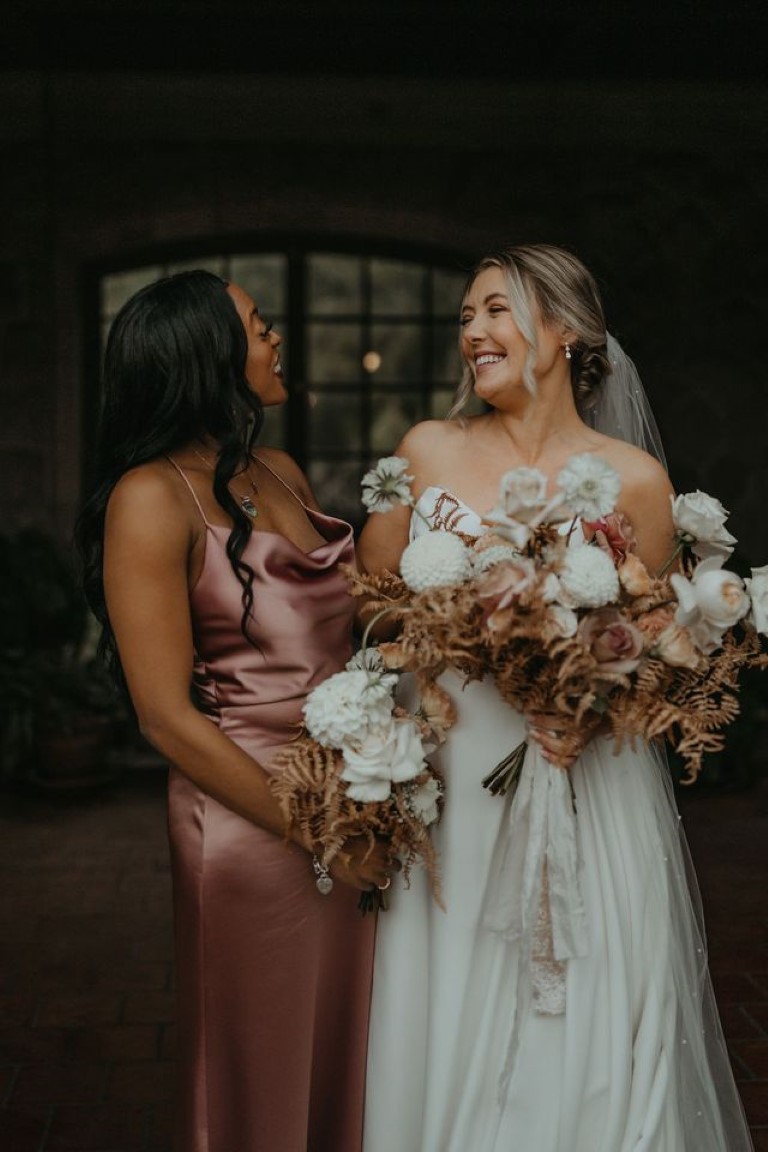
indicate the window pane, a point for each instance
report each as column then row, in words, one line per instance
column 447, row 290
column 213, row 264
column 335, row 421
column 446, row 361
column 392, row 414
column 118, row 287
column 334, row 284
column 336, row 485
column 397, row 288
column 440, row 402
column 400, row 348
column 333, row 353
column 264, row 278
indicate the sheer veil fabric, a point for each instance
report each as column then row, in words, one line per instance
column 465, row 1051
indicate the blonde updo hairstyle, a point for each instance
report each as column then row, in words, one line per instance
column 566, row 295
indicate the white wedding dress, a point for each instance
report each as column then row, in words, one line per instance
column 576, row 1016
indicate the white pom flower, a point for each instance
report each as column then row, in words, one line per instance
column 590, row 486
column 489, row 557
column 434, row 560
column 347, row 706
column 588, row 579
column 387, row 485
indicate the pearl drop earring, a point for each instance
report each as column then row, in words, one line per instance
column 568, row 352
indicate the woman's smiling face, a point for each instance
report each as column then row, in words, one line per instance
column 263, row 369
column 492, row 344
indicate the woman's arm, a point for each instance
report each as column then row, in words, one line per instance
column 149, row 538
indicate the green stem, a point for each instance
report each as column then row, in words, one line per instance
column 676, row 552
column 366, row 633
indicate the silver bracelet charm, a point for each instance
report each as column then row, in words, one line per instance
column 324, row 882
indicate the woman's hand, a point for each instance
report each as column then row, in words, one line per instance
column 561, row 742
column 363, row 867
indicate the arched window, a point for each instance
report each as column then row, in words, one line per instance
column 369, row 348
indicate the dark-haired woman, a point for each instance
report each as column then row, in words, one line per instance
column 215, row 576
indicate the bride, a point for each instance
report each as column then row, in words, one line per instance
column 481, row 1039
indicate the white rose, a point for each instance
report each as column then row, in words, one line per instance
column 588, row 579
column 391, row 753
column 523, row 493
column 700, row 519
column 423, row 801
column 345, row 706
column 709, row 603
column 757, row 586
column 434, row 560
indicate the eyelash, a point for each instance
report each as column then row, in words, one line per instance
column 494, row 310
column 268, row 324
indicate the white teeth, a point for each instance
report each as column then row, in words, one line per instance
column 487, row 359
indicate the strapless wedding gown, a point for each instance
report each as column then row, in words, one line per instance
column 480, row 1039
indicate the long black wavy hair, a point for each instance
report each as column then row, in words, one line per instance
column 174, row 371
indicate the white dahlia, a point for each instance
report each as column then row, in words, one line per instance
column 588, row 578
column 434, row 560
column 590, row 486
column 347, row 705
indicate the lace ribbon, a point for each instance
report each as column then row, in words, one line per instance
column 533, row 896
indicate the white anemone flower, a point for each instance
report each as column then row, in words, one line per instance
column 434, row 560
column 590, row 486
column 387, row 485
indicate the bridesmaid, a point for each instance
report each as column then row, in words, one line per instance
column 216, row 579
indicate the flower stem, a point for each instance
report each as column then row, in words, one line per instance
column 675, row 553
column 506, row 774
column 374, row 620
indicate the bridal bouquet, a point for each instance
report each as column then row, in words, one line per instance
column 585, row 633
column 360, row 768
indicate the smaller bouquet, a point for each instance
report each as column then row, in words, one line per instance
column 361, row 768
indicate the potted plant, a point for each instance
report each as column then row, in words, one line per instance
column 58, row 709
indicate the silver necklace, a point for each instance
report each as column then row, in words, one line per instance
column 246, row 502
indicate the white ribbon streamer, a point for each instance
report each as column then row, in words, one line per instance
column 540, row 830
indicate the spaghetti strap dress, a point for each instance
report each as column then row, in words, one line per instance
column 273, row 979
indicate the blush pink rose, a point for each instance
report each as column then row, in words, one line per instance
column 613, row 533
column 615, row 643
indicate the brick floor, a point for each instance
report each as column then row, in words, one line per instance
column 86, row 989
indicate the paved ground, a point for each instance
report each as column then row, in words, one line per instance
column 86, row 997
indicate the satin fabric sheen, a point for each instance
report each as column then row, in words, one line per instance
column 273, row 979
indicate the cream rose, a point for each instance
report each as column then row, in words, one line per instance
column 390, row 753
column 700, row 520
column 713, row 600
column 634, row 577
column 674, row 646
column 757, row 587
column 615, row 643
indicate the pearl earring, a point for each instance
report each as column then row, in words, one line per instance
column 568, row 352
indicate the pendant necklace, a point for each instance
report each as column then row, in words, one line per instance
column 246, row 502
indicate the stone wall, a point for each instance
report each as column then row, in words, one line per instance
column 661, row 188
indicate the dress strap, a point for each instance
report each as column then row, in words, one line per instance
column 185, row 478
column 284, row 483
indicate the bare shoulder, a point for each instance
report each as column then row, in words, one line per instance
column 640, row 472
column 149, row 500
column 428, row 441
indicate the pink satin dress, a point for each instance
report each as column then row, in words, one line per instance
column 274, row 979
